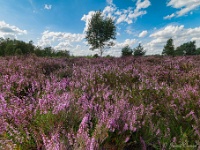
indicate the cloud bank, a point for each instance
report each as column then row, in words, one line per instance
column 120, row 15
column 10, row 31
column 183, row 6
column 180, row 35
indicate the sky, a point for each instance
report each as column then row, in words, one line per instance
column 61, row 24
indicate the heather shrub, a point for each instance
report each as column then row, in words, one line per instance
column 49, row 67
column 102, row 103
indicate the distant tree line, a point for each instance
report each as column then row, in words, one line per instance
column 188, row 48
column 10, row 47
column 138, row 51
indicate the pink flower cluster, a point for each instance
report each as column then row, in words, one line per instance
column 99, row 103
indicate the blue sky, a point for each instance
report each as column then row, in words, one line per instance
column 62, row 23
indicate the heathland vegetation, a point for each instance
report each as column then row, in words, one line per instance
column 50, row 100
column 100, row 103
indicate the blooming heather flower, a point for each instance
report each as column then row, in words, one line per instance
column 89, row 98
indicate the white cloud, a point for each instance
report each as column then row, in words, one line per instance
column 110, row 2
column 129, row 31
column 113, row 51
column 143, row 34
column 196, row 39
column 87, row 18
column 179, row 34
column 82, row 50
column 144, row 4
column 118, row 34
column 48, row 7
column 66, row 41
column 139, row 5
column 129, row 42
column 169, row 16
column 168, row 32
column 63, row 45
column 122, row 18
column 117, row 48
column 184, row 6
column 136, row 14
column 9, row 31
column 109, row 11
column 130, row 14
column 120, row 15
column 76, row 44
column 60, row 40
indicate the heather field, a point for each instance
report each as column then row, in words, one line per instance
column 100, row 103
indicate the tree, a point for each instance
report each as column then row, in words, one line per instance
column 61, row 53
column 18, row 51
column 9, row 50
column 169, row 48
column 48, row 51
column 127, row 51
column 100, row 31
column 198, row 51
column 2, row 47
column 139, row 51
column 180, row 51
column 23, row 46
column 188, row 48
column 31, row 47
column 95, row 55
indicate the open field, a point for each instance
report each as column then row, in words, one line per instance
column 100, row 103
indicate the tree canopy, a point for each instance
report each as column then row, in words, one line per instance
column 169, row 48
column 100, row 31
column 188, row 48
column 139, row 51
column 10, row 47
column 127, row 51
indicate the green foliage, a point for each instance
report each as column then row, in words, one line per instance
column 139, row 51
column 179, row 51
column 109, row 56
column 9, row 50
column 169, row 48
column 127, row 51
column 164, row 116
column 188, row 48
column 61, row 53
column 18, row 51
column 198, row 51
column 46, row 121
column 100, row 31
column 50, row 52
column 96, row 56
column 10, row 47
column 26, row 48
column 2, row 47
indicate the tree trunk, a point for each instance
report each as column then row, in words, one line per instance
column 101, row 52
